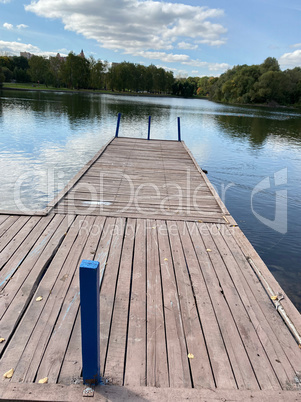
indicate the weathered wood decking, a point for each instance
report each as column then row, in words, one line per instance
column 181, row 308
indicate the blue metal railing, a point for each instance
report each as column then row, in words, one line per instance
column 149, row 127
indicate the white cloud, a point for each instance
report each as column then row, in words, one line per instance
column 15, row 48
column 166, row 57
column 188, row 46
column 221, row 67
column 217, row 42
column 290, row 60
column 147, row 28
column 296, row 45
column 5, row 1
column 20, row 26
column 8, row 26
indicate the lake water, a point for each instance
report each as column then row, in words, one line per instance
column 252, row 155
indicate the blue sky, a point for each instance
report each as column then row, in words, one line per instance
column 189, row 37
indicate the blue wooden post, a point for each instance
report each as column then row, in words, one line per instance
column 149, row 126
column 118, row 124
column 179, row 129
column 89, row 302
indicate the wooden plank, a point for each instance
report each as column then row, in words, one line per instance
column 210, row 186
column 15, row 278
column 23, row 213
column 22, row 299
column 179, row 371
column 263, row 370
column 116, row 354
column 269, row 342
column 219, row 361
column 72, row 365
column 240, row 363
column 13, row 262
column 108, row 288
column 56, row 348
column 3, row 219
column 176, row 217
column 11, row 232
column 71, row 393
column 75, row 179
column 17, row 240
column 250, row 252
column 267, row 318
column 157, row 367
column 200, row 366
column 135, row 368
column 52, row 288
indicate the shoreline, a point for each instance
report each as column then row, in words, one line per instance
column 91, row 91
column 148, row 95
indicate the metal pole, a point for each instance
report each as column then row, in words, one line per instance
column 149, row 126
column 90, row 328
column 179, row 129
column 118, row 124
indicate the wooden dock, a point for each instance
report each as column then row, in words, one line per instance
column 186, row 304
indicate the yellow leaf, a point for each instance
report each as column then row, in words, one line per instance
column 190, row 356
column 274, row 297
column 154, row 227
column 39, row 298
column 200, row 221
column 165, row 259
column 9, row 373
column 208, row 249
column 43, row 380
column 2, row 340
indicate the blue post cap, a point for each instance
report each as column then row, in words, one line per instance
column 89, row 264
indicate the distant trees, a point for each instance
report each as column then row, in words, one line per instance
column 264, row 83
column 138, row 78
column 15, row 68
column 80, row 73
column 2, row 77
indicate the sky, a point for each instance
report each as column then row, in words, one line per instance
column 188, row 37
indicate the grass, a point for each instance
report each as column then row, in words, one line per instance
column 42, row 87
column 32, row 87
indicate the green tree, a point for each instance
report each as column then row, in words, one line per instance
column 2, row 77
column 272, row 87
column 75, row 72
column 97, row 72
column 8, row 74
column 55, row 73
column 39, row 69
column 270, row 64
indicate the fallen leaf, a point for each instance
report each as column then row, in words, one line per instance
column 154, row 227
column 39, row 298
column 2, row 340
column 200, row 221
column 63, row 278
column 209, row 249
column 9, row 373
column 165, row 259
column 190, row 356
column 43, row 380
column 274, row 297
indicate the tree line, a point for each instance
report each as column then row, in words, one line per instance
column 243, row 84
column 77, row 72
column 259, row 84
